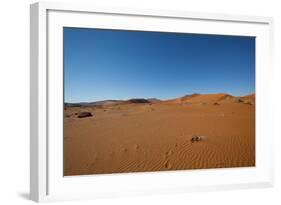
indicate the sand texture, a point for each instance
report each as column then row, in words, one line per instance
column 131, row 136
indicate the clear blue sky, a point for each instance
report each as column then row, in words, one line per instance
column 112, row 64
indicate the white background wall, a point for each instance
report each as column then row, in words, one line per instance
column 14, row 101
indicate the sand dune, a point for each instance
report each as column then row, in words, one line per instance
column 249, row 98
column 206, row 98
column 155, row 136
column 209, row 98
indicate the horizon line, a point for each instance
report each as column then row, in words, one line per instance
column 108, row 99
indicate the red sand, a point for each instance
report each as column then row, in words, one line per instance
column 140, row 137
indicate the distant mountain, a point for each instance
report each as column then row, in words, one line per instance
column 153, row 100
column 138, row 100
column 96, row 103
column 112, row 102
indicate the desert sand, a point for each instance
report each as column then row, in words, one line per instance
column 153, row 135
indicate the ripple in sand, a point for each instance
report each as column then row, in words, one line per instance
column 92, row 165
column 125, row 150
column 168, row 165
column 169, row 153
column 136, row 147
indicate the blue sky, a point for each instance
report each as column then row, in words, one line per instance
column 113, row 64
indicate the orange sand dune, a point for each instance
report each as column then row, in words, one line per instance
column 139, row 137
column 206, row 98
column 249, row 98
column 209, row 98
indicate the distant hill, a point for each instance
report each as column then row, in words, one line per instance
column 96, row 103
column 112, row 102
column 153, row 100
column 138, row 100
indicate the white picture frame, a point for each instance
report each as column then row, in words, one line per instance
column 47, row 182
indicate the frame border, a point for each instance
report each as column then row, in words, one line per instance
column 39, row 78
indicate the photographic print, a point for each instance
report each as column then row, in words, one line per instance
column 143, row 101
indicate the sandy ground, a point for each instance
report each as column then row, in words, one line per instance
column 140, row 137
